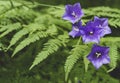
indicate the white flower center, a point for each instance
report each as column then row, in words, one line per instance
column 74, row 15
column 98, row 54
column 91, row 32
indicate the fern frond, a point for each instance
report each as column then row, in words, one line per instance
column 32, row 38
column 75, row 54
column 31, row 28
column 113, row 43
column 49, row 48
column 4, row 6
column 106, row 9
column 111, row 13
column 113, row 57
column 114, row 22
column 9, row 28
column 55, row 13
column 91, row 12
column 4, row 28
column 21, row 15
column 17, row 36
column 18, row 13
column 51, row 31
column 103, row 11
column 63, row 24
column 110, row 39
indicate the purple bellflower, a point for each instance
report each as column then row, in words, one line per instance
column 102, row 23
column 73, row 13
column 90, row 33
column 76, row 29
column 99, row 56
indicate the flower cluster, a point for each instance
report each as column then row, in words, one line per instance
column 91, row 32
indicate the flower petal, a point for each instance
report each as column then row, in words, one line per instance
column 97, row 64
column 77, row 5
column 106, row 60
column 73, row 33
column 73, row 13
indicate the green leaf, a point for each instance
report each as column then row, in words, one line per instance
column 75, row 54
column 86, row 63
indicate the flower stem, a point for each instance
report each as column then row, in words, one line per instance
column 79, row 41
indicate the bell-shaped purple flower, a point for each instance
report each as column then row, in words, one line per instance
column 76, row 29
column 73, row 13
column 99, row 55
column 90, row 33
column 102, row 23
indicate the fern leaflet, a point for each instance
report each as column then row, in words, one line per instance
column 32, row 38
column 76, row 53
column 17, row 36
column 49, row 48
column 10, row 28
column 113, row 56
column 31, row 28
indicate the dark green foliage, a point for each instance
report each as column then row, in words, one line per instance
column 32, row 32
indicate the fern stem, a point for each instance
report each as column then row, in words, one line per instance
column 50, row 6
column 12, row 5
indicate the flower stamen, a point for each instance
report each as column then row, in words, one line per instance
column 98, row 54
column 91, row 32
column 100, row 26
column 74, row 15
